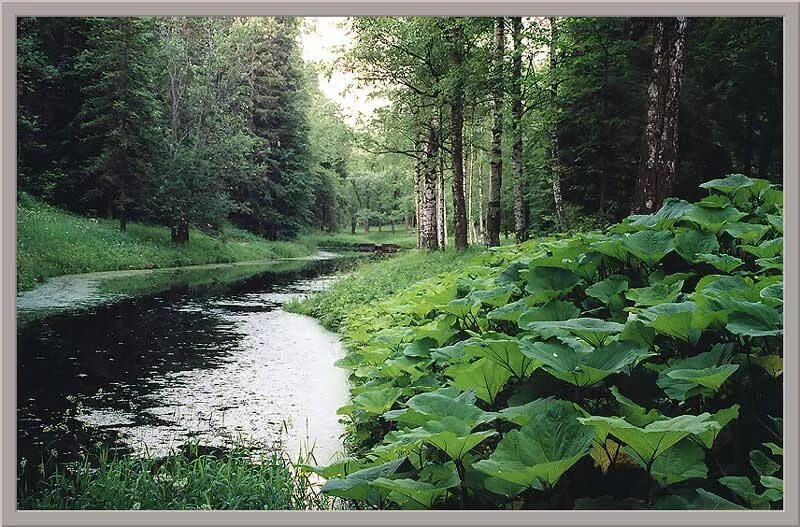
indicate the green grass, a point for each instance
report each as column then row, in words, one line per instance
column 375, row 281
column 52, row 242
column 233, row 479
column 343, row 240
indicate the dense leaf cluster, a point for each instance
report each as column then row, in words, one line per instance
column 635, row 368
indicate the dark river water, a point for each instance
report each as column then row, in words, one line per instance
column 207, row 355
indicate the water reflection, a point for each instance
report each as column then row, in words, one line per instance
column 211, row 362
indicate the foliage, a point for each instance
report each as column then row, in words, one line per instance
column 553, row 372
column 234, row 479
column 373, row 282
column 51, row 242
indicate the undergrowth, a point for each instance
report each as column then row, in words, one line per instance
column 640, row 367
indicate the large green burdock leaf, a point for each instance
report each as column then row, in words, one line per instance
column 451, row 435
column 594, row 331
column 730, row 183
column 356, row 486
column 766, row 249
column 377, row 401
column 745, row 489
column 513, row 273
column 722, row 418
column 609, row 291
column 495, row 297
column 338, row 469
column 413, row 494
column 553, row 310
column 650, row 442
column 444, row 402
column 546, row 283
column 749, row 233
column 649, row 246
column 683, row 461
column 724, row 262
column 753, row 319
column 699, row 375
column 511, row 311
column 684, row 320
column 632, row 412
column 672, row 210
column 712, row 378
column 461, row 307
column 713, row 219
column 612, row 246
column 523, row 414
column 773, row 294
column 584, row 369
column 636, row 331
column 505, row 352
column 660, row 293
column 539, row 453
column 445, row 421
column 484, row 376
column 420, row 348
column 691, row 243
column 762, row 464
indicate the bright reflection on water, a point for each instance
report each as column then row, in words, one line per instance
column 211, row 363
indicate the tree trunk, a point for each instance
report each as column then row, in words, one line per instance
column 442, row 204
column 418, row 176
column 495, row 179
column 180, row 232
column 555, row 162
column 353, row 223
column 457, row 141
column 520, row 208
column 471, row 179
column 660, row 150
column 481, row 216
column 427, row 226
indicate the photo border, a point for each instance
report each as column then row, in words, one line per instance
column 788, row 9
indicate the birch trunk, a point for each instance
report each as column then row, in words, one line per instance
column 555, row 163
column 428, row 231
column 520, row 207
column 660, row 147
column 495, row 179
column 457, row 142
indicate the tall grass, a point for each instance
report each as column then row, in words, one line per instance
column 52, row 242
column 235, row 479
column 376, row 280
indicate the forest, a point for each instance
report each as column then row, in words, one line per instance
column 492, row 127
column 586, row 311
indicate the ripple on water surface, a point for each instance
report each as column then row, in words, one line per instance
column 156, row 372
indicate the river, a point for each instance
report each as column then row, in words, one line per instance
column 141, row 362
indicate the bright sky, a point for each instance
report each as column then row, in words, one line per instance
column 324, row 44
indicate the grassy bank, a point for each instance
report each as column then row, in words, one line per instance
column 52, row 242
column 343, row 240
column 375, row 281
column 191, row 479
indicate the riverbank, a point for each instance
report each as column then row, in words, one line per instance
column 52, row 242
column 376, row 281
column 108, row 413
column 191, row 479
